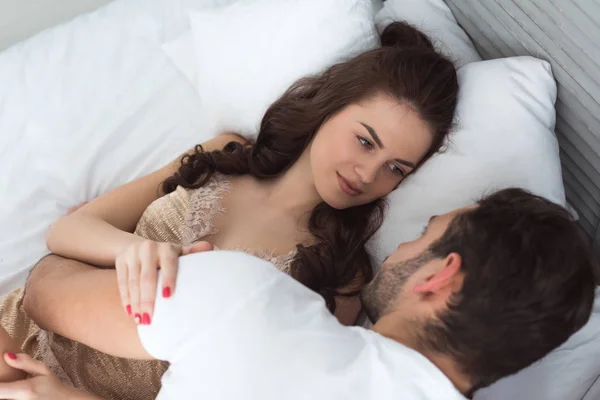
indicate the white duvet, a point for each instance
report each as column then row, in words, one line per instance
column 85, row 107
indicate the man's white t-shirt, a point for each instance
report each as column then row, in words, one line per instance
column 237, row 328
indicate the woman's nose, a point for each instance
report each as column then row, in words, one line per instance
column 367, row 172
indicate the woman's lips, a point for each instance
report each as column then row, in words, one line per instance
column 348, row 187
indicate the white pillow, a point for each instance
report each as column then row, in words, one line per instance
column 85, row 107
column 434, row 18
column 249, row 53
column 181, row 49
column 505, row 137
column 567, row 373
column 181, row 52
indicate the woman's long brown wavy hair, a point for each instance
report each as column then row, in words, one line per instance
column 405, row 67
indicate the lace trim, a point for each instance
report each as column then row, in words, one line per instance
column 283, row 262
column 205, row 205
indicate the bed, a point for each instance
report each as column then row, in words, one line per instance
column 134, row 91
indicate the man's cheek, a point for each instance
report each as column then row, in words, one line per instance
column 405, row 252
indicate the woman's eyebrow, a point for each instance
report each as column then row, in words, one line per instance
column 373, row 134
column 379, row 143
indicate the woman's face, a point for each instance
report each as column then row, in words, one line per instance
column 364, row 151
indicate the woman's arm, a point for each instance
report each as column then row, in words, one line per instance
column 82, row 303
column 97, row 232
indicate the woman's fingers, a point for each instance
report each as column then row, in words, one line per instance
column 137, row 275
column 123, row 283
column 196, row 248
column 170, row 263
column 18, row 390
column 42, row 385
column 133, row 283
column 149, row 258
column 168, row 260
column 25, row 363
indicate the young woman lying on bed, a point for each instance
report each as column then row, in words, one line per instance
column 307, row 196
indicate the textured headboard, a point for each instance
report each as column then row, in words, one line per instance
column 567, row 34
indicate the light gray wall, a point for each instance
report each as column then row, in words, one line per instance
column 20, row 19
column 567, row 34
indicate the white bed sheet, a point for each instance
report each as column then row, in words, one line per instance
column 99, row 92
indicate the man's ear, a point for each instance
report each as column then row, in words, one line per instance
column 444, row 277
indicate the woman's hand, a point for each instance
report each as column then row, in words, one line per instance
column 137, row 274
column 43, row 385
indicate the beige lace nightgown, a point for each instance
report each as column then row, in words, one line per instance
column 183, row 216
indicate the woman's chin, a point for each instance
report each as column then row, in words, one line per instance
column 338, row 202
column 336, row 206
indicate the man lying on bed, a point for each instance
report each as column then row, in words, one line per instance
column 484, row 292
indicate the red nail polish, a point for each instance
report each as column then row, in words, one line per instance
column 166, row 292
column 128, row 308
column 12, row 356
column 138, row 319
column 146, row 319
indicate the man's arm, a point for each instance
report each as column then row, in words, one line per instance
column 82, row 303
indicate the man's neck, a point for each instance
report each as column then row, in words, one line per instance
column 449, row 368
column 391, row 330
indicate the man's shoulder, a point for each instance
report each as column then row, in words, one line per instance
column 216, row 285
column 234, row 266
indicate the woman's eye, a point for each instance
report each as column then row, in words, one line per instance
column 396, row 170
column 365, row 143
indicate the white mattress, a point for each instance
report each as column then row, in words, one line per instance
column 85, row 107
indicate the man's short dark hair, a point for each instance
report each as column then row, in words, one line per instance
column 528, row 285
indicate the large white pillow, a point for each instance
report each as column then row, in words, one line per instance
column 181, row 49
column 436, row 19
column 504, row 137
column 85, row 107
column 247, row 54
column 568, row 373
column 181, row 53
